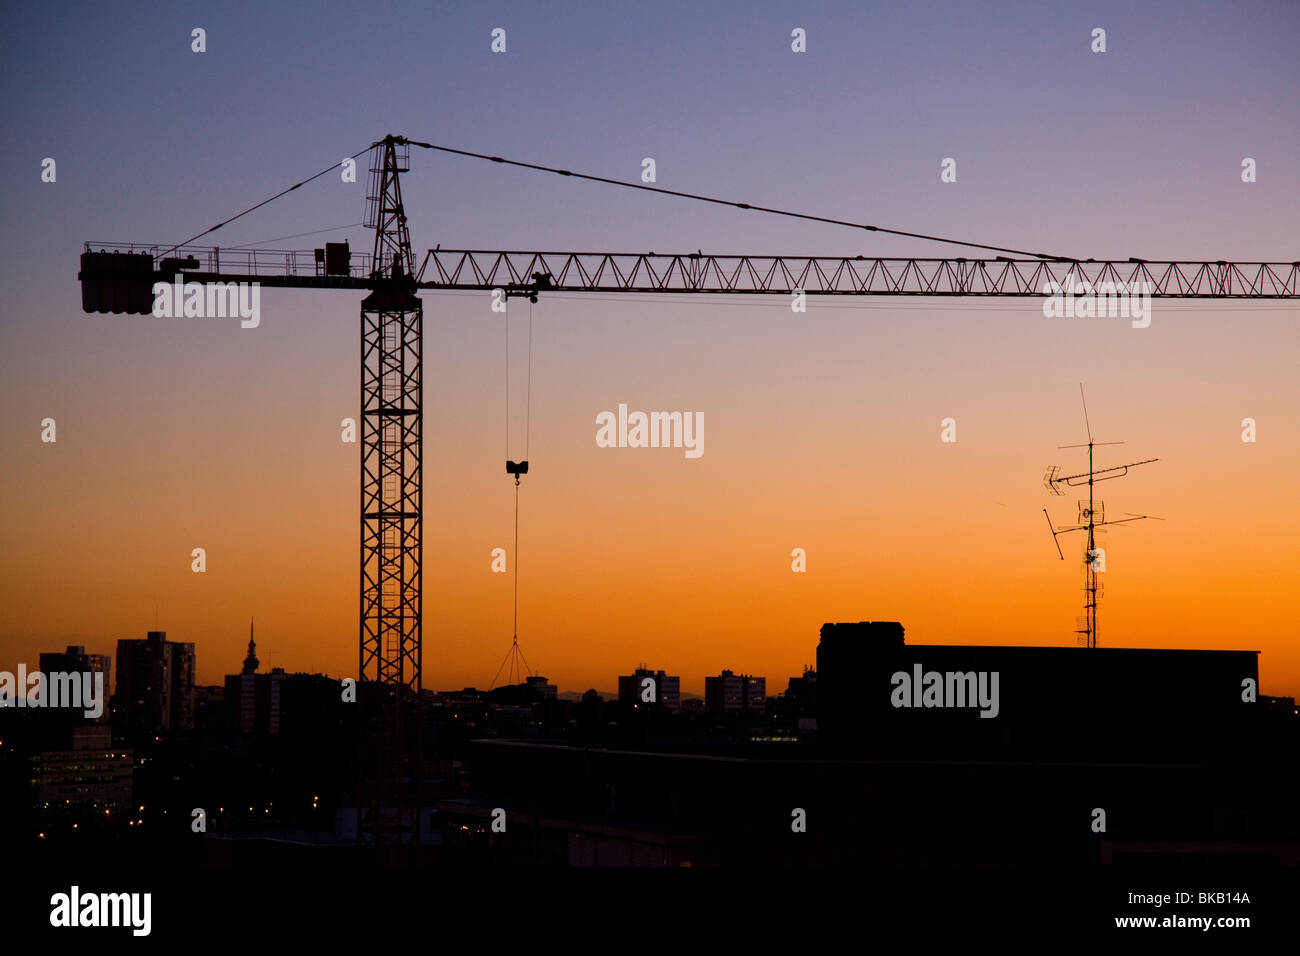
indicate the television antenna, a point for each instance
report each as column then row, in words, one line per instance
column 1092, row 515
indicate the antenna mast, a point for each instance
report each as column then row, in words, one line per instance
column 1092, row 515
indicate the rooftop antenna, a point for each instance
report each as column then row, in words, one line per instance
column 1092, row 515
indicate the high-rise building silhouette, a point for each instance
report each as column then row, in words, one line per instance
column 735, row 693
column 57, row 725
column 667, row 689
column 155, row 686
column 75, row 660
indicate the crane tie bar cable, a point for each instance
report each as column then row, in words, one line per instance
column 282, row 192
column 741, row 205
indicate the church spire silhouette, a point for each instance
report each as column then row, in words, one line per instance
column 251, row 661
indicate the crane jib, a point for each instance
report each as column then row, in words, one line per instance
column 121, row 281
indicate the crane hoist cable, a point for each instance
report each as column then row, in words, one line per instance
column 518, row 469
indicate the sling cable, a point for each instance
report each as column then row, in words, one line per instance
column 515, row 673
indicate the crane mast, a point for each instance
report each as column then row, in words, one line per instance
column 392, row 526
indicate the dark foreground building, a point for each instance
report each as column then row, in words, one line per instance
column 881, row 697
column 1087, row 756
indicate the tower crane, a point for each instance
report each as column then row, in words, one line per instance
column 119, row 278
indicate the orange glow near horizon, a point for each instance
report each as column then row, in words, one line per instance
column 822, row 433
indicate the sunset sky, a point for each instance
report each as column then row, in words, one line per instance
column 822, row 430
